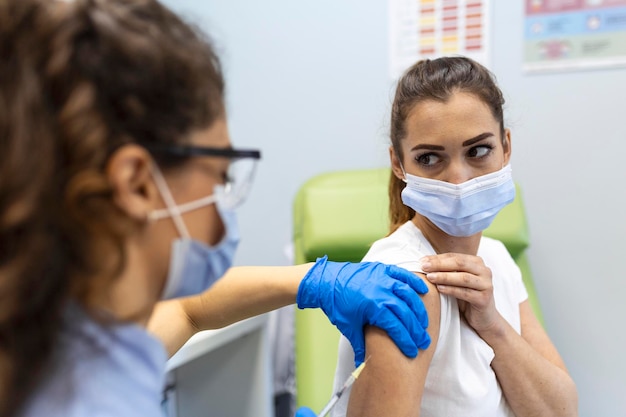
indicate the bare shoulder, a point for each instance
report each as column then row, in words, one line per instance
column 377, row 339
column 432, row 303
column 388, row 370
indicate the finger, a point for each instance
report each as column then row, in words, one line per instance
column 420, row 336
column 448, row 262
column 414, row 303
column 472, row 296
column 414, row 281
column 460, row 279
column 390, row 323
column 401, row 336
column 359, row 354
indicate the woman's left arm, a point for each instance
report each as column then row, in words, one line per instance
column 530, row 370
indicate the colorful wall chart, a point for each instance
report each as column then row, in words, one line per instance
column 574, row 34
column 420, row 29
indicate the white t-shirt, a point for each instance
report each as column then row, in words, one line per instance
column 460, row 380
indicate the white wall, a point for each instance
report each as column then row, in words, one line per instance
column 308, row 84
column 569, row 153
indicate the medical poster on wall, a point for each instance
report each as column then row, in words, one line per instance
column 420, row 29
column 574, row 34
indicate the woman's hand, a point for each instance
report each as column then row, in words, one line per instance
column 466, row 278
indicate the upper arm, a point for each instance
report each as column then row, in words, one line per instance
column 391, row 383
column 535, row 335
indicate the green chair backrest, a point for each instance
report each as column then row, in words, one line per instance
column 340, row 214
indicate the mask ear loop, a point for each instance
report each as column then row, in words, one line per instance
column 184, row 208
column 402, row 168
column 172, row 209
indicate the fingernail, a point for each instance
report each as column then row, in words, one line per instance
column 425, row 264
column 431, row 277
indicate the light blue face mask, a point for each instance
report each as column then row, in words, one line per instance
column 460, row 209
column 194, row 265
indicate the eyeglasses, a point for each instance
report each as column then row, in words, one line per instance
column 240, row 172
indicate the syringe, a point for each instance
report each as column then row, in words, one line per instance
column 338, row 394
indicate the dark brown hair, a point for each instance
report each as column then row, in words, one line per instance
column 77, row 80
column 437, row 80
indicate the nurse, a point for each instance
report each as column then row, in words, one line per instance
column 118, row 182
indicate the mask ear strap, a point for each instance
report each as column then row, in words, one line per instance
column 184, row 208
column 403, row 171
column 172, row 209
column 401, row 166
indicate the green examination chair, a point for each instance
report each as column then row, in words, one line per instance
column 341, row 214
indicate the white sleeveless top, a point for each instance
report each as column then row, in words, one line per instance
column 460, row 380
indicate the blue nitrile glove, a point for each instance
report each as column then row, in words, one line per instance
column 355, row 294
column 305, row 412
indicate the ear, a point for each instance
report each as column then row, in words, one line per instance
column 506, row 144
column 128, row 172
column 395, row 164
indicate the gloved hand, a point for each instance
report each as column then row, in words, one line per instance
column 305, row 412
column 355, row 294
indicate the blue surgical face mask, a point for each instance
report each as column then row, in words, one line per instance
column 194, row 265
column 460, row 209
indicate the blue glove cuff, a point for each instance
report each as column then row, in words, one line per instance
column 309, row 289
column 305, row 412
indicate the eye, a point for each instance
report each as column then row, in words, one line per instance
column 225, row 172
column 479, row 151
column 226, row 177
column 427, row 159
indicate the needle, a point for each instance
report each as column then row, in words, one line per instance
column 346, row 385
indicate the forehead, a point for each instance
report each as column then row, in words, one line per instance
column 215, row 136
column 462, row 116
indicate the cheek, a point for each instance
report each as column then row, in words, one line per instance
column 496, row 164
column 216, row 229
column 502, row 158
column 205, row 225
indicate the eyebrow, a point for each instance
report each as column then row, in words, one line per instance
column 477, row 138
column 468, row 142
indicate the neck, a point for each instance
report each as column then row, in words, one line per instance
column 131, row 295
column 444, row 243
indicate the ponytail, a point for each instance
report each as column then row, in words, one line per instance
column 399, row 213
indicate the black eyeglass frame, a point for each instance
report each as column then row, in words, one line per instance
column 185, row 151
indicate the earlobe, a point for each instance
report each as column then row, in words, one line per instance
column 128, row 172
column 395, row 164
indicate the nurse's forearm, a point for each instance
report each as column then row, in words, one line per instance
column 242, row 293
column 245, row 292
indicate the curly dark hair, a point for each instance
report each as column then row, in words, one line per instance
column 77, row 80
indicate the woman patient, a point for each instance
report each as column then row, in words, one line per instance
column 489, row 355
